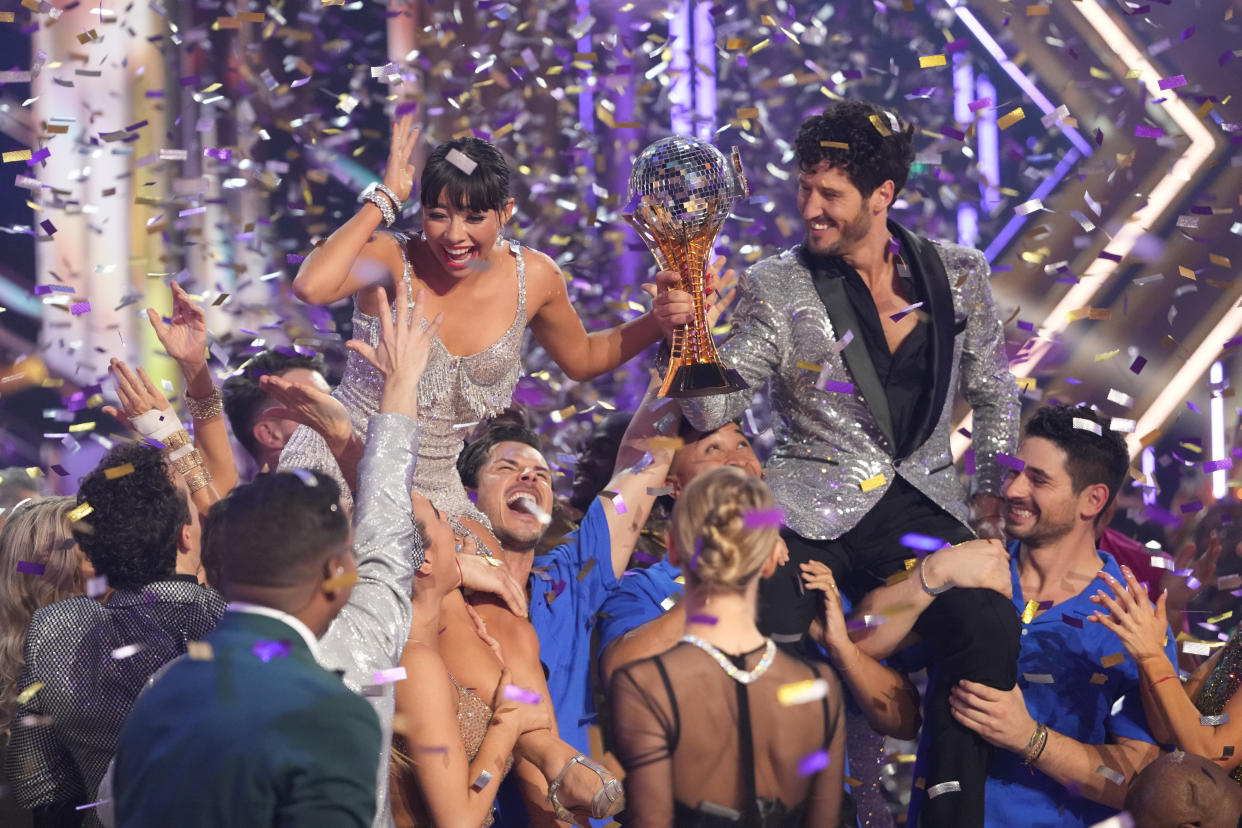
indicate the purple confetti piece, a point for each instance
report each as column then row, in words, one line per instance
column 709, row 620
column 38, row 156
column 1072, row 620
column 760, row 519
column 926, row 543
column 698, row 549
column 1193, row 407
column 520, row 694
column 1009, row 461
column 1192, row 507
column 48, row 227
column 1173, row 82
column 894, row 246
column 813, row 763
column 293, row 258
column 968, row 461
column 267, row 650
column 1144, row 131
column 30, row 567
column 1137, row 365
column 834, row 387
column 643, row 557
column 79, row 308
column 390, row 675
column 982, row 103
column 1218, row 465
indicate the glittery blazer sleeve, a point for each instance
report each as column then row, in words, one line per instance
column 985, row 380
column 757, row 343
column 371, row 630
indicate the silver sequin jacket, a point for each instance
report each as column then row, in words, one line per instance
column 827, row 444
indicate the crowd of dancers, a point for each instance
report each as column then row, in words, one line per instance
column 391, row 625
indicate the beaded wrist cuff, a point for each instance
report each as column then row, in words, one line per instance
column 207, row 408
column 385, row 206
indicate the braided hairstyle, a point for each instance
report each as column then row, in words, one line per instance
column 710, row 528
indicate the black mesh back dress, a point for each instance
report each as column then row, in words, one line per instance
column 706, row 741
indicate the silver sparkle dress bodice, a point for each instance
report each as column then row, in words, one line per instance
column 828, row 444
column 454, row 393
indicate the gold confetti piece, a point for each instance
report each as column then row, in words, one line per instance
column 1026, row 383
column 79, row 512
column 802, row 692
column 228, row 23
column 1038, row 11
column 78, row 427
column 748, row 112
column 810, row 366
column 220, row 300
column 1149, row 438
column 1217, row 619
column 873, row 483
column 1112, row 660
column 852, row 782
column 29, row 693
column 1028, row 613
column 251, row 17
column 880, row 126
column 17, row 155
column 1098, row 678
column 909, row 563
column 340, row 581
column 760, row 46
column 1106, row 355
column 835, row 145
column 559, row 416
column 199, row 651
column 1182, row 270
column 118, row 471
column 6, row 17
column 735, row 43
column 1006, row 121
column 1223, row 261
column 904, row 758
column 665, row 443
column 586, row 569
column 929, row 61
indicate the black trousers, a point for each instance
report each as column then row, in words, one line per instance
column 973, row 633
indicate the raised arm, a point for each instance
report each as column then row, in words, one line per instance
column 185, row 340
column 386, row 542
column 1172, row 714
column 888, row 699
column 642, row 466
column 989, row 387
column 355, row 256
column 555, row 324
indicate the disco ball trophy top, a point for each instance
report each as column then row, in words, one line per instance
column 681, row 191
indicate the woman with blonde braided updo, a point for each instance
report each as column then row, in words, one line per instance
column 707, row 731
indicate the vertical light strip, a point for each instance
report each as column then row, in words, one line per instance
column 704, row 71
column 1216, row 411
column 963, row 90
column 1163, row 196
column 1016, row 221
column 988, row 147
column 1024, row 83
column 1149, row 479
column 681, row 92
column 586, row 95
column 1172, row 394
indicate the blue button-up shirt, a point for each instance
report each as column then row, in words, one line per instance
column 1062, row 673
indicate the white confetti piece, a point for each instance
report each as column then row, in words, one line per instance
column 1121, row 424
column 1196, row 648
column 461, row 161
column 944, row 788
column 1213, row 721
column 128, row 651
column 1088, row 425
column 1115, row 396
column 1111, row 775
column 1038, row 678
column 96, row 586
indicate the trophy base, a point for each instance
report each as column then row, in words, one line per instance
column 702, row 380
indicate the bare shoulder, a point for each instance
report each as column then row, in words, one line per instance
column 543, row 276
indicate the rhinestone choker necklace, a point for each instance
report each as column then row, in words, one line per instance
column 742, row 676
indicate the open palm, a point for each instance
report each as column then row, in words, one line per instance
column 185, row 337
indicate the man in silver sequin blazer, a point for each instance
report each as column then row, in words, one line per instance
column 863, row 332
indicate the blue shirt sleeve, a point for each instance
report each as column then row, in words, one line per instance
column 1130, row 721
column 639, row 599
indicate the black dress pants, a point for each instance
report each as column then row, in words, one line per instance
column 972, row 633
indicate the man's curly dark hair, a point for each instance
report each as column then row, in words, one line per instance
column 131, row 533
column 244, row 400
column 869, row 157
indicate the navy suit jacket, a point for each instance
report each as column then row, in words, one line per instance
column 259, row 735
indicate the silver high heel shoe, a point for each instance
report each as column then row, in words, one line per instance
column 608, row 801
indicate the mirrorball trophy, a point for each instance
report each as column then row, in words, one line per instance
column 681, row 190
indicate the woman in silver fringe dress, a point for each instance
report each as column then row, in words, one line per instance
column 490, row 288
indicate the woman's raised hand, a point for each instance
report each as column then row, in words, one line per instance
column 137, row 394
column 402, row 351
column 185, row 338
column 399, row 174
